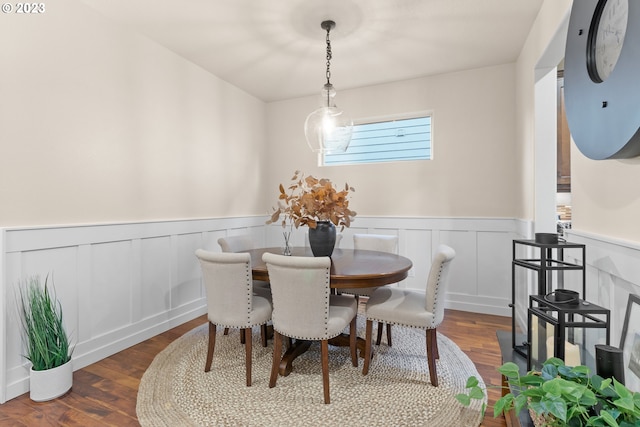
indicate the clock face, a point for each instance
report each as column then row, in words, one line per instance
column 601, row 98
column 606, row 37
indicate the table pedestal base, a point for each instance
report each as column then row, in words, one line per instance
column 297, row 348
column 342, row 340
column 301, row 346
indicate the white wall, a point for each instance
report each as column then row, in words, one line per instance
column 472, row 174
column 531, row 62
column 605, row 196
column 545, row 153
column 101, row 125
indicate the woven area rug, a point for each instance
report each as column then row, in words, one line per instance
column 175, row 390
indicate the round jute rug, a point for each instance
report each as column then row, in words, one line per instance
column 175, row 390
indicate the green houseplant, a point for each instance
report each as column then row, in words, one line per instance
column 47, row 343
column 561, row 395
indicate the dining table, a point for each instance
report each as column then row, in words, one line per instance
column 350, row 268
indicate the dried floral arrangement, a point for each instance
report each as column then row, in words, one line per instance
column 309, row 200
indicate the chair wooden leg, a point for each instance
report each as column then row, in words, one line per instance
column 263, row 334
column 431, row 343
column 277, row 354
column 226, row 331
column 247, row 355
column 379, row 338
column 212, row 345
column 367, row 347
column 324, row 345
column 389, row 334
column 241, row 337
column 352, row 342
column 435, row 345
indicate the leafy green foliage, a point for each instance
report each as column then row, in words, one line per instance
column 564, row 396
column 42, row 326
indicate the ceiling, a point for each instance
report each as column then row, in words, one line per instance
column 275, row 49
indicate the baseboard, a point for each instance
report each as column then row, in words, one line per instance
column 475, row 304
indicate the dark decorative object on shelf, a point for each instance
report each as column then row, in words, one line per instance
column 322, row 239
column 562, row 296
column 550, row 238
column 565, row 330
column 609, row 362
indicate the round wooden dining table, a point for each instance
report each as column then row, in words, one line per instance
column 350, row 268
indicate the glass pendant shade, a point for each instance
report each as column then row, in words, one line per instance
column 328, row 129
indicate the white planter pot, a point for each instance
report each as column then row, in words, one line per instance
column 51, row 383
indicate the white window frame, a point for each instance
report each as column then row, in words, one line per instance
column 384, row 119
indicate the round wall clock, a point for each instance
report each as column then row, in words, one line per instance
column 606, row 37
column 602, row 78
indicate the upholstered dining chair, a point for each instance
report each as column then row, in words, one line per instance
column 413, row 308
column 373, row 242
column 244, row 243
column 305, row 309
column 231, row 302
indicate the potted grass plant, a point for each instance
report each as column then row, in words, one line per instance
column 47, row 343
column 560, row 395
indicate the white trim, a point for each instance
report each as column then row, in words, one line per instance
column 3, row 323
column 392, row 117
column 613, row 272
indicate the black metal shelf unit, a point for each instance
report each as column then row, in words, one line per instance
column 547, row 259
column 565, row 320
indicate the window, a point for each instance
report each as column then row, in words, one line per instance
column 386, row 141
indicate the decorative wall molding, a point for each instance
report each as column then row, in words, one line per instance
column 481, row 272
column 121, row 284
column 613, row 272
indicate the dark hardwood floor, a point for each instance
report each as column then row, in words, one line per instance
column 104, row 394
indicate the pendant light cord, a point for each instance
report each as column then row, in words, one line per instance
column 328, row 56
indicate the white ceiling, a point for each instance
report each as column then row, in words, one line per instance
column 276, row 49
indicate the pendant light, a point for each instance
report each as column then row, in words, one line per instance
column 328, row 129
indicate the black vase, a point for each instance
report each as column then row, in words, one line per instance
column 322, row 239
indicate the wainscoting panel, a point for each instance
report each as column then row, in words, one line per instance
column 494, row 253
column 110, row 287
column 119, row 284
column 123, row 283
column 155, row 277
column 613, row 272
column 187, row 286
column 481, row 272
